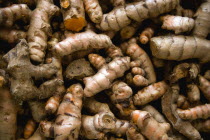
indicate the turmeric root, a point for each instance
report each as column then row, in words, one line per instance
column 128, row 31
column 8, row 115
column 150, row 93
column 139, row 55
column 147, row 34
column 78, row 69
column 103, row 78
column 82, row 41
column 68, row 121
column 36, row 136
column 73, row 14
column 190, row 70
column 133, row 134
column 113, row 52
column 20, row 69
column 93, row 10
column 182, row 102
column 117, row 2
column 177, row 23
column 169, row 107
column 198, row 112
column 147, row 125
column 95, row 127
column 96, row 60
column 204, row 86
column 11, row 36
column 37, row 110
column 52, row 104
column 202, row 125
column 40, row 29
column 138, row 11
column 29, row 128
column 9, row 15
column 158, row 63
column 184, row 12
column 28, row 2
column 193, row 93
column 121, row 96
column 180, row 48
column 202, row 20
column 207, row 75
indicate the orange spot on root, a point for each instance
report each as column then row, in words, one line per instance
column 75, row 24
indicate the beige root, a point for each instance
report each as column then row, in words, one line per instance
column 138, row 11
column 198, row 112
column 148, row 125
column 82, row 41
column 96, row 60
column 147, row 34
column 103, row 78
column 40, row 28
column 140, row 58
column 169, row 106
column 94, row 10
column 9, row 15
column 68, row 121
column 184, row 12
column 128, row 31
column 177, row 23
column 133, row 134
column 202, row 20
column 202, row 125
column 193, row 93
column 158, row 63
column 204, row 86
column 11, row 35
column 117, row 2
column 150, row 93
column 113, row 52
column 182, row 102
column 180, row 48
column 190, row 70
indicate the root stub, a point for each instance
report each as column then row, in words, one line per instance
column 75, row 24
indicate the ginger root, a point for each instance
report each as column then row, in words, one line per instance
column 177, row 23
column 148, row 125
column 68, row 121
column 22, row 72
column 180, row 48
column 198, row 112
column 103, row 78
column 73, row 14
column 138, row 11
column 9, row 15
column 150, row 93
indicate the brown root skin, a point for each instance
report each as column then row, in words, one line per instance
column 38, row 110
column 36, row 136
column 116, row 3
column 68, row 121
column 155, row 114
column 95, row 127
column 202, row 20
column 138, row 11
column 184, row 12
column 28, row 2
column 177, row 24
column 73, row 14
column 202, row 125
column 20, row 69
column 183, row 70
column 158, row 63
column 147, row 124
column 138, row 54
column 8, row 115
column 121, row 97
column 11, row 35
column 133, row 134
column 104, row 77
column 182, row 102
column 204, row 86
column 207, row 75
column 180, row 48
column 96, row 60
column 85, row 41
column 147, row 34
column 169, row 107
column 128, row 31
column 93, row 10
column 150, row 93
column 198, row 112
column 9, row 15
column 29, row 128
column 79, row 69
column 193, row 93
column 40, row 29
column 114, row 52
column 52, row 104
